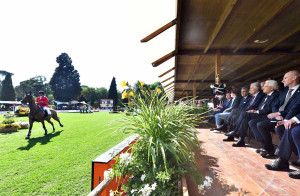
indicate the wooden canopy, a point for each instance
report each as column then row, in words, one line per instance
column 240, row 40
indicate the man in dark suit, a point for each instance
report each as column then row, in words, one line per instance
column 287, row 98
column 234, row 104
column 234, row 112
column 257, row 96
column 264, row 108
column 221, row 108
column 289, row 143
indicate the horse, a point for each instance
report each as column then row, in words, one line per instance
column 38, row 115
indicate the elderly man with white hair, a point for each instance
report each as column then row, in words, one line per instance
column 261, row 112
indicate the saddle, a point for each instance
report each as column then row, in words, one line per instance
column 46, row 115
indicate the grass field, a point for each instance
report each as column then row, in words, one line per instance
column 59, row 163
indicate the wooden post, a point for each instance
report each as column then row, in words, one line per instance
column 218, row 64
column 194, row 92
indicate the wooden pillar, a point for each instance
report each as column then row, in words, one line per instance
column 194, row 92
column 218, row 64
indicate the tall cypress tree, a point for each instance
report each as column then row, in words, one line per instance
column 113, row 93
column 65, row 82
column 8, row 91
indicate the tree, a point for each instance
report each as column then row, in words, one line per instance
column 113, row 93
column 65, row 81
column 33, row 85
column 7, row 92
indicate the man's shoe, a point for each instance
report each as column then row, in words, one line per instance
column 221, row 128
column 228, row 139
column 260, row 150
column 294, row 174
column 296, row 163
column 239, row 144
column 267, row 154
column 231, row 134
column 278, row 165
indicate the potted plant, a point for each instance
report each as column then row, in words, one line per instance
column 164, row 151
column 8, row 123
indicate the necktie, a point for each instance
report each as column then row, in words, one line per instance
column 288, row 97
column 263, row 104
column 252, row 101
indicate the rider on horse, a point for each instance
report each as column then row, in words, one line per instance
column 42, row 102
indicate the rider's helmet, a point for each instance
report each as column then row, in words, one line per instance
column 41, row 92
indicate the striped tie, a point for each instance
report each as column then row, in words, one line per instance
column 288, row 97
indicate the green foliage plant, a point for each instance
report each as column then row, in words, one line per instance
column 164, row 150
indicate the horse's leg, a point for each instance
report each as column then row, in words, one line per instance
column 30, row 127
column 50, row 122
column 46, row 132
column 55, row 117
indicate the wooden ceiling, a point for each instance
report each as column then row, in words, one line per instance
column 234, row 27
column 256, row 39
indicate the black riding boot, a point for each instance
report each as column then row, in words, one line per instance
column 46, row 114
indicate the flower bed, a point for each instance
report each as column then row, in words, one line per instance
column 163, row 153
column 8, row 123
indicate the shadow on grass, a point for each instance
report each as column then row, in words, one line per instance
column 42, row 140
column 208, row 166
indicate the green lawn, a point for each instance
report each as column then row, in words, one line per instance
column 59, row 163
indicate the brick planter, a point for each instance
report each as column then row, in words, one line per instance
column 8, row 130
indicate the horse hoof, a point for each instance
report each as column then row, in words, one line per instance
column 45, row 133
column 53, row 130
column 61, row 126
column 27, row 137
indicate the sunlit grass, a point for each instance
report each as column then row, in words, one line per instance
column 59, row 163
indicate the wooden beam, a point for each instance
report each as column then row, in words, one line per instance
column 263, row 23
column 283, row 37
column 296, row 49
column 163, row 59
column 168, row 79
column 201, row 58
column 247, row 60
column 170, row 87
column 159, row 31
column 218, row 64
column 168, row 84
column 221, row 21
column 228, row 52
column 258, row 67
column 276, row 70
column 166, row 72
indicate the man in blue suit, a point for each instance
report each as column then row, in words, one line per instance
column 261, row 112
column 287, row 98
column 257, row 96
column 221, row 108
column 234, row 104
column 289, row 143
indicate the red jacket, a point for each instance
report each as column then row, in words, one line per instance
column 44, row 99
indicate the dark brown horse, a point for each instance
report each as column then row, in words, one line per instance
column 36, row 114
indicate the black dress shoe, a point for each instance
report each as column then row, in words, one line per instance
column 278, row 165
column 239, row 144
column 260, row 150
column 231, row 134
column 228, row 139
column 222, row 128
column 267, row 154
column 294, row 174
column 296, row 163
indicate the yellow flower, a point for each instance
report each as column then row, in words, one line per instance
column 131, row 94
column 142, row 83
column 158, row 90
column 123, row 84
column 124, row 95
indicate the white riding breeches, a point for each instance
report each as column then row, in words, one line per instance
column 47, row 109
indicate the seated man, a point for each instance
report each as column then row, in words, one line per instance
column 289, row 143
column 234, row 104
column 221, row 108
column 256, row 98
column 263, row 110
column 234, row 113
column 287, row 99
